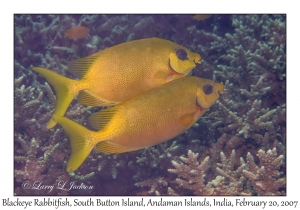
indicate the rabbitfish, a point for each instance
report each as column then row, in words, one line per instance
column 119, row 73
column 143, row 121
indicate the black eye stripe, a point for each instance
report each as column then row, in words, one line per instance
column 208, row 89
column 181, row 54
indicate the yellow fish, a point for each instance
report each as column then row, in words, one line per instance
column 119, row 73
column 143, row 121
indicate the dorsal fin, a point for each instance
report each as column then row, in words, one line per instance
column 109, row 147
column 100, row 119
column 81, row 66
column 89, row 98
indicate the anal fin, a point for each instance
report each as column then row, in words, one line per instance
column 109, row 147
column 87, row 97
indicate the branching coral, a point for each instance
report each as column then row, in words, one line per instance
column 232, row 179
column 265, row 178
column 251, row 124
column 155, row 185
column 192, row 173
column 35, row 170
column 159, row 156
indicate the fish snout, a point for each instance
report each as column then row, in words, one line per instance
column 220, row 88
column 197, row 59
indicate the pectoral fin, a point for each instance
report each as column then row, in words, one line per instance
column 161, row 75
column 187, row 120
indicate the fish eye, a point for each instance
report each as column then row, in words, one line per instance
column 181, row 54
column 208, row 89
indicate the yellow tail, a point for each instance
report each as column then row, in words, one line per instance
column 82, row 141
column 64, row 89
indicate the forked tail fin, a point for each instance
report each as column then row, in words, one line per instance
column 82, row 141
column 64, row 88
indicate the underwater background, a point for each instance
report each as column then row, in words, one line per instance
column 237, row 148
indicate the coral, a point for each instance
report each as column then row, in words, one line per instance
column 30, row 114
column 253, row 70
column 232, row 180
column 192, row 173
column 154, row 184
column 255, row 75
column 254, row 123
column 265, row 178
column 35, row 170
column 158, row 157
column 193, row 176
